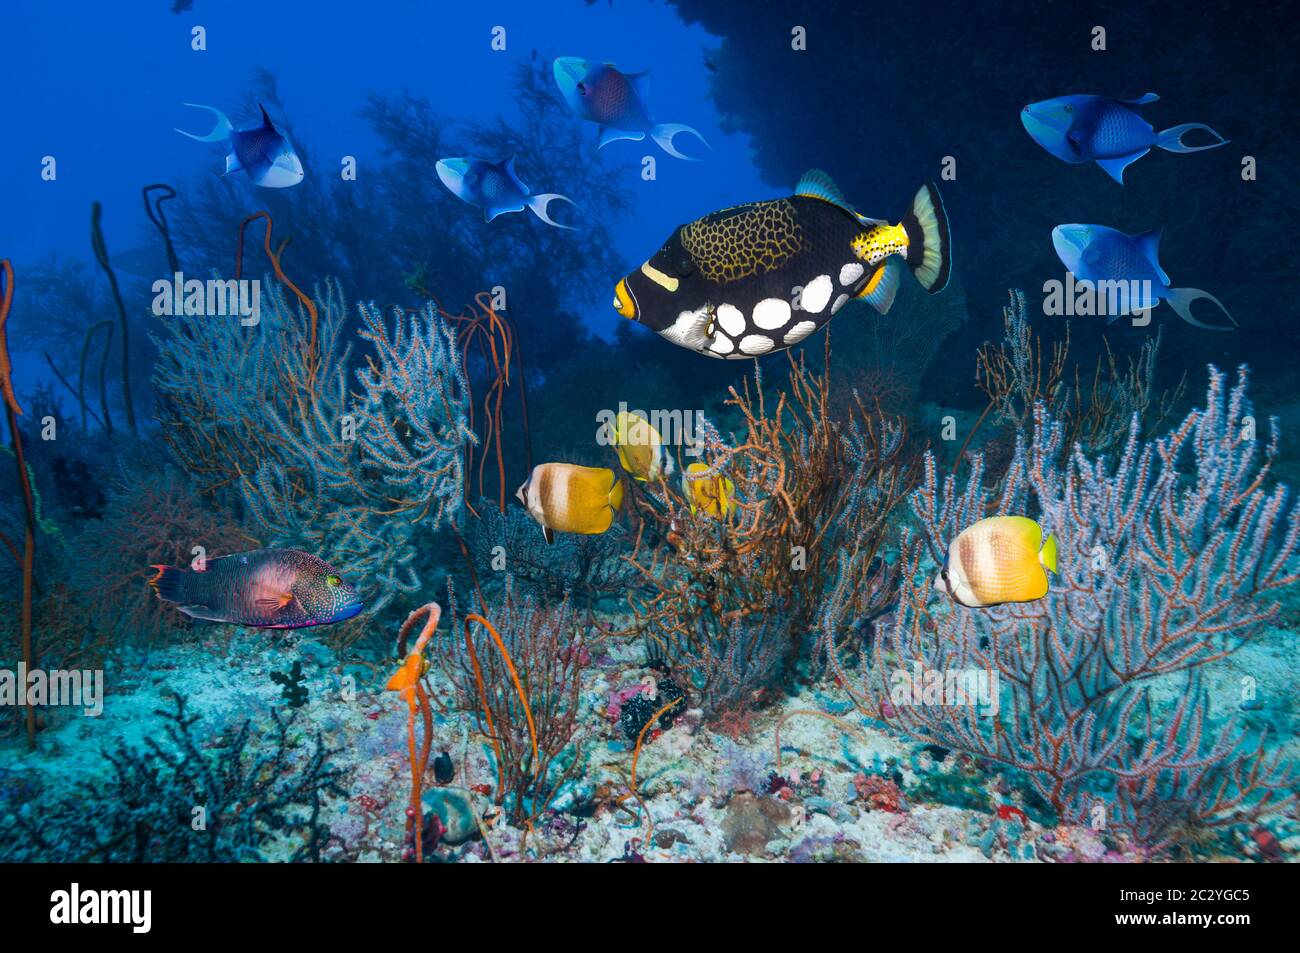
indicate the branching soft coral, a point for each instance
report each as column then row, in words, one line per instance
column 732, row 600
column 518, row 670
column 1171, row 556
column 349, row 477
column 152, row 518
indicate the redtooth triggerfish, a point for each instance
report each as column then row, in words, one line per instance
column 617, row 102
column 262, row 151
column 1110, row 259
column 496, row 188
column 1107, row 131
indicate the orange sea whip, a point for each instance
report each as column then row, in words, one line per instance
column 12, row 411
column 407, row 680
column 482, row 694
column 499, row 346
column 274, row 257
column 636, row 755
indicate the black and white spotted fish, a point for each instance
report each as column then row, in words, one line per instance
column 761, row 277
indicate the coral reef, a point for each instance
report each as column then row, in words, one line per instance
column 349, row 478
column 1172, row 556
column 185, row 799
column 1094, row 411
column 521, row 685
column 590, row 569
column 732, row 600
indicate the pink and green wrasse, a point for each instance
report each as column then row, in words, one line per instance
column 266, row 588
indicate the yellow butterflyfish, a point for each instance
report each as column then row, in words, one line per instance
column 640, row 447
column 712, row 494
column 998, row 560
column 567, row 498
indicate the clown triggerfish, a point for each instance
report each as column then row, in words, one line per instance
column 267, row 588
column 761, row 277
column 997, row 560
column 262, row 151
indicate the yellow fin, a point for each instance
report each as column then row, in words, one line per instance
column 1048, row 555
column 623, row 460
column 725, row 492
column 882, row 288
column 616, row 495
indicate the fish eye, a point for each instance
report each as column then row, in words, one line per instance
column 1069, row 108
column 333, row 581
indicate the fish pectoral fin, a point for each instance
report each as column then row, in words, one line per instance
column 1115, row 167
column 233, row 164
column 275, row 602
column 881, row 289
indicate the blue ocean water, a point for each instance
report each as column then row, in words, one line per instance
column 575, row 528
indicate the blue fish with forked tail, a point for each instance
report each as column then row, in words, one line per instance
column 617, row 102
column 1098, row 254
column 496, row 188
column 1109, row 132
column 262, row 151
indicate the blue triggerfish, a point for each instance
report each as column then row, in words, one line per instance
column 1106, row 131
column 266, row 588
column 759, row 278
column 495, row 188
column 262, row 151
column 1100, row 254
column 998, row 560
column 617, row 102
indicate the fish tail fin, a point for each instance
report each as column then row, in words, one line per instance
column 539, row 202
column 1171, row 140
column 1180, row 299
column 663, row 134
column 220, row 131
column 929, row 245
column 1047, row 555
column 616, row 496
column 169, row 583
